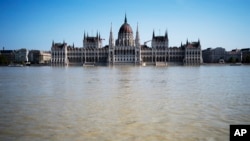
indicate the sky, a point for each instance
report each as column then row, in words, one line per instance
column 34, row 24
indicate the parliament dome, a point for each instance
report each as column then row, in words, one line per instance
column 125, row 35
column 125, row 28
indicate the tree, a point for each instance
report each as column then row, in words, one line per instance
column 231, row 60
column 3, row 60
column 247, row 60
column 237, row 60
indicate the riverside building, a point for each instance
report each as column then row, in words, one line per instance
column 126, row 49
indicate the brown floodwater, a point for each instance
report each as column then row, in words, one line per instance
column 123, row 103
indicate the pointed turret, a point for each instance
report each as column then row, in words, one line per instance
column 187, row 42
column 153, row 33
column 84, row 37
column 73, row 45
column 111, row 39
column 137, row 38
column 125, row 20
column 166, row 35
column 111, row 32
column 53, row 44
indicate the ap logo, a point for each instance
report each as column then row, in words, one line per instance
column 239, row 132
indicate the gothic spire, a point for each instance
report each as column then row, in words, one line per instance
column 125, row 20
column 111, row 28
column 137, row 27
column 137, row 38
column 153, row 33
column 166, row 34
column 111, row 39
column 84, row 36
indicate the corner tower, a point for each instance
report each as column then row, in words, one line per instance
column 160, row 41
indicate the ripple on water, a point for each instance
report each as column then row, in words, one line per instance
column 123, row 103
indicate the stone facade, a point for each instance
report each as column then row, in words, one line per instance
column 126, row 50
column 213, row 55
column 193, row 54
column 59, row 54
column 233, row 56
column 245, row 55
column 219, row 54
column 7, row 56
column 21, row 55
column 39, row 57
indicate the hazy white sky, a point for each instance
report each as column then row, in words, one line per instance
column 34, row 24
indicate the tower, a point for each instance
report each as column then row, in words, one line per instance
column 137, row 38
column 84, row 37
column 138, row 46
column 92, row 41
column 166, row 39
column 111, row 46
column 125, row 35
column 111, row 38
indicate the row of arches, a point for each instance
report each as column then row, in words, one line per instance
column 87, row 59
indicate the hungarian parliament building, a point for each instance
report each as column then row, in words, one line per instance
column 126, row 50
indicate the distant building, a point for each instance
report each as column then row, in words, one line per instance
column 6, row 56
column 34, row 56
column 233, row 56
column 210, row 55
column 126, row 50
column 245, row 55
column 45, row 57
column 21, row 55
column 39, row 57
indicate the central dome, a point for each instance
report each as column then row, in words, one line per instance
column 125, row 35
column 125, row 28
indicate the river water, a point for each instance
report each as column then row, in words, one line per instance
column 125, row 103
